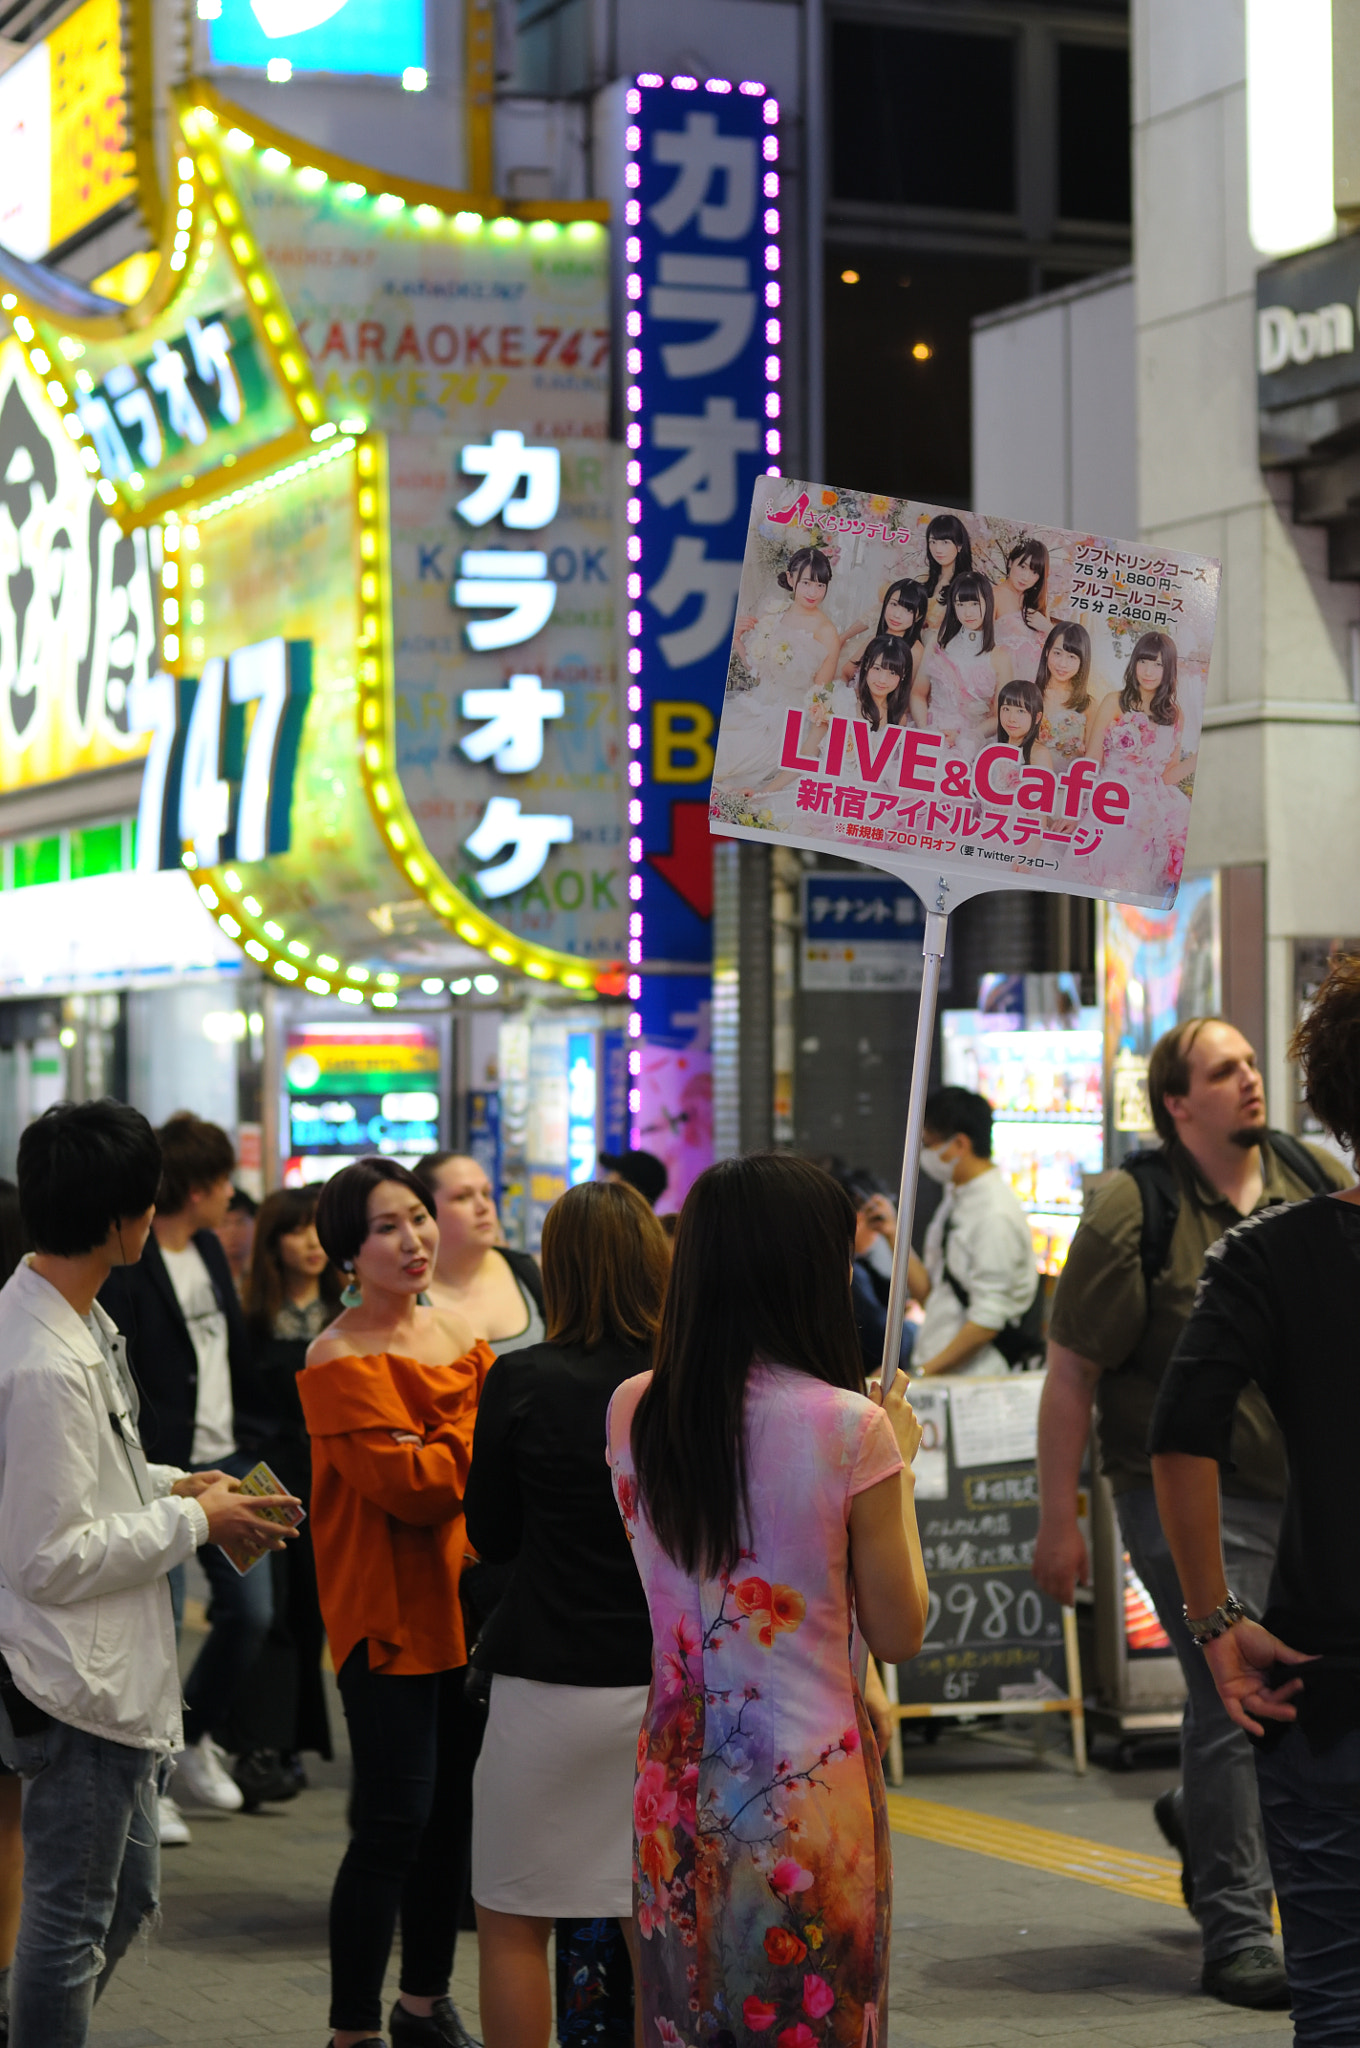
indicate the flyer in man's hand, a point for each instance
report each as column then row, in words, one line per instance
column 243, row 1556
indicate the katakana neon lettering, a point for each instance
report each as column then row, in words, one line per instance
column 706, row 474
column 714, row 291
column 529, row 835
column 210, row 348
column 515, row 580
column 134, row 407
column 504, row 464
column 700, row 154
column 690, row 573
column 169, row 374
column 515, row 715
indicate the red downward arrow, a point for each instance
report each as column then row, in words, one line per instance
column 688, row 867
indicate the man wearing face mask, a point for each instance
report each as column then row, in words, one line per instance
column 978, row 1273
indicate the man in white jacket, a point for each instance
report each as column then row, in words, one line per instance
column 89, row 1689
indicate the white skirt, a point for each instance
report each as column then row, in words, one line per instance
column 552, row 1800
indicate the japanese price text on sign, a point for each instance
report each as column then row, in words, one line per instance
column 966, row 701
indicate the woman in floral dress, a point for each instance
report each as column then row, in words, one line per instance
column 770, row 1504
column 1136, row 737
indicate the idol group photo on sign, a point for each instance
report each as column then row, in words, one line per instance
column 1008, row 700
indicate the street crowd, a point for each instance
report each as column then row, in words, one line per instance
column 585, row 1539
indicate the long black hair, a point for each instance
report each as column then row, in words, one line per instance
column 1152, row 647
column 911, row 596
column 885, row 652
column 1072, row 639
column 948, row 526
column 959, row 591
column 813, row 560
column 761, row 1272
column 1034, row 555
column 1031, row 699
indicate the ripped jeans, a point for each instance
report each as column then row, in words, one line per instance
column 91, row 1874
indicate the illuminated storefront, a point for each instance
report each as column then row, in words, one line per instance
column 321, row 540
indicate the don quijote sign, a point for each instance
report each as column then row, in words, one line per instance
column 1307, row 316
column 1284, row 336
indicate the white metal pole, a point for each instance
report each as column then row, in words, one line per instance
column 937, row 926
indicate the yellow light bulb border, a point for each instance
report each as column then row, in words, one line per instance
column 206, row 119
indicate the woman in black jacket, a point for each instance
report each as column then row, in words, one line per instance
column 570, row 1644
column 292, row 1294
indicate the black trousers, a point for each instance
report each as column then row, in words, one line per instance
column 414, row 1741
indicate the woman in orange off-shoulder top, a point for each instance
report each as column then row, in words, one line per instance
column 390, row 1395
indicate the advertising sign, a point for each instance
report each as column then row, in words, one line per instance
column 860, row 931
column 703, row 325
column 382, row 38
column 508, row 741
column 64, row 158
column 77, row 608
column 355, row 1089
column 990, row 1634
column 423, row 324
column 1158, row 968
column 966, row 702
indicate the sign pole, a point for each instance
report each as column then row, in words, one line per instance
column 937, row 926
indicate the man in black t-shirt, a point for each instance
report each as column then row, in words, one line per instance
column 1276, row 1309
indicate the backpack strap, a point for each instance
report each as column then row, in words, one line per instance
column 1303, row 1164
column 1161, row 1195
column 963, row 1295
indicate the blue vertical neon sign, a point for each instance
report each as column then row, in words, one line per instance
column 702, row 338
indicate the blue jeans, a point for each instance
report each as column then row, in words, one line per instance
column 1228, row 1863
column 242, row 1610
column 1311, row 1808
column 91, row 1874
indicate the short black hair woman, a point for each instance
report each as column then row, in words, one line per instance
column 570, row 1644
column 765, row 1496
column 390, row 1392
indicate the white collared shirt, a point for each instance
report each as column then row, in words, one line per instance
column 991, row 1255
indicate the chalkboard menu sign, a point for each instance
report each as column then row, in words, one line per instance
column 991, row 1636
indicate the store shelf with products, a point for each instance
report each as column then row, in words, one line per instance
column 1044, row 1085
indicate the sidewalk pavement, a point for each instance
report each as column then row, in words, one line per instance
column 985, row 1952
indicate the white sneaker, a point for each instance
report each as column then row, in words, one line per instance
column 170, row 1822
column 202, row 1777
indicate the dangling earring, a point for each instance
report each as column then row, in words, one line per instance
column 350, row 1296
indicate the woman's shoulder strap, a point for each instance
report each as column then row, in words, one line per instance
column 524, row 1266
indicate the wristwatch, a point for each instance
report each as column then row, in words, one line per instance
column 1205, row 1628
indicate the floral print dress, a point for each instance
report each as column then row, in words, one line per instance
column 763, row 1875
